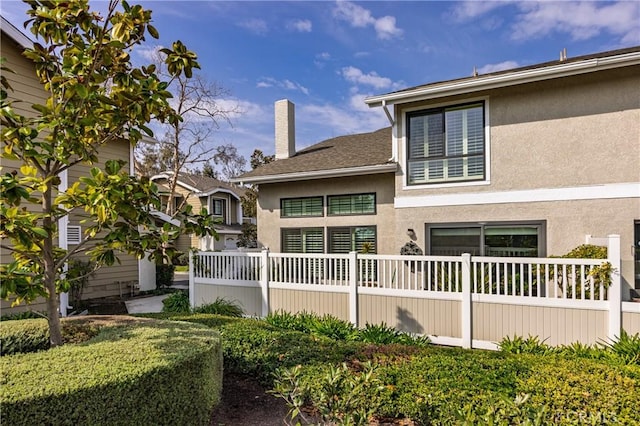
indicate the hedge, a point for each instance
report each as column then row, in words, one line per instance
column 132, row 372
column 438, row 385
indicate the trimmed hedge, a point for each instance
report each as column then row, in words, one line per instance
column 437, row 385
column 22, row 336
column 134, row 371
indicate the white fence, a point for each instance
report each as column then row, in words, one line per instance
column 458, row 300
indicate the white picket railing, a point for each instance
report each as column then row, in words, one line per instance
column 309, row 269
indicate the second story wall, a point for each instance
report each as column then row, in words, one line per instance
column 567, row 132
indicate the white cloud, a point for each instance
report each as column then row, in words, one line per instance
column 282, row 84
column 301, row 25
column 498, row 67
column 150, row 54
column 359, row 17
column 324, row 56
column 582, row 19
column 339, row 120
column 467, row 10
column 256, row 26
column 356, row 76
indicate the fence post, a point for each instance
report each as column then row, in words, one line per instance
column 615, row 289
column 353, row 287
column 264, row 281
column 192, row 284
column 466, row 302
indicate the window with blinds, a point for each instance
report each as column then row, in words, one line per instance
column 338, row 205
column 297, row 207
column 346, row 239
column 302, row 240
column 446, row 145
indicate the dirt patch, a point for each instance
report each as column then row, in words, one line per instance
column 245, row 402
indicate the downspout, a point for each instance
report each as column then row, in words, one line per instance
column 63, row 223
column 394, row 130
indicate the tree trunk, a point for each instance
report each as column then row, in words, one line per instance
column 48, row 260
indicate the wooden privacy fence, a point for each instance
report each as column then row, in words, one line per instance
column 456, row 300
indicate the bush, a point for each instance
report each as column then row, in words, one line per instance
column 177, row 302
column 164, row 275
column 220, row 306
column 29, row 335
column 134, row 371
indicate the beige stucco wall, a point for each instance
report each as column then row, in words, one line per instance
column 559, row 326
column 270, row 222
column 573, row 131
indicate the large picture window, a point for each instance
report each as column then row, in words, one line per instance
column 355, row 238
column 446, row 144
column 297, row 207
column 303, row 240
column 351, row 204
column 499, row 239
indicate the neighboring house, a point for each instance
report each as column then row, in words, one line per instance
column 523, row 162
column 27, row 90
column 221, row 200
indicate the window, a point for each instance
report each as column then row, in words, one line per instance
column 302, row 240
column 351, row 204
column 296, row 207
column 356, row 238
column 218, row 207
column 501, row 240
column 446, row 145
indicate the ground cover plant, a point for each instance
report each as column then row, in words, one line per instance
column 111, row 370
column 353, row 382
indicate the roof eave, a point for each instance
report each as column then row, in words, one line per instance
column 15, row 34
column 481, row 83
column 318, row 174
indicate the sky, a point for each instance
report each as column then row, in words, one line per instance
column 327, row 56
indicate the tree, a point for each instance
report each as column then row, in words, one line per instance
column 95, row 96
column 187, row 143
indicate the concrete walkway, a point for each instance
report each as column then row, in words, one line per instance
column 145, row 305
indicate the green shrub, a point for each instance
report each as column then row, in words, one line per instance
column 624, row 349
column 520, row 345
column 300, row 321
column 23, row 315
column 164, row 275
column 29, row 335
column 220, row 306
column 139, row 372
column 331, row 327
column 177, row 302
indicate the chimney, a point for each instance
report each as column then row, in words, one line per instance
column 285, row 129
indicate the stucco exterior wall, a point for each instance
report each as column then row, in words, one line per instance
column 270, row 222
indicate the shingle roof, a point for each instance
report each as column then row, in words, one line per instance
column 207, row 184
column 342, row 152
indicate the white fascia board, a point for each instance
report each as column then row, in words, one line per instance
column 319, row 174
column 215, row 191
column 594, row 192
column 15, row 34
column 503, row 80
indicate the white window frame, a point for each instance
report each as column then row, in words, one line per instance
column 403, row 147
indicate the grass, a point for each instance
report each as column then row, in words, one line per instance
column 182, row 268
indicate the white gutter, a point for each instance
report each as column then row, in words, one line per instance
column 319, row 174
column 480, row 83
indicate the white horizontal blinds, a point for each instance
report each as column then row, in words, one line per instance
column 311, row 206
column 74, row 234
column 351, row 204
column 446, row 144
column 489, row 240
column 344, row 240
column 303, row 240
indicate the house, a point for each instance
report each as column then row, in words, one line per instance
column 523, row 162
column 27, row 90
column 221, row 200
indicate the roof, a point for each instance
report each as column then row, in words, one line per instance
column 202, row 185
column 359, row 154
column 543, row 71
column 15, row 34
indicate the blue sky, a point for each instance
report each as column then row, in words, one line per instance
column 327, row 56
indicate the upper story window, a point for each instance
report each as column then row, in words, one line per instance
column 446, row 144
column 297, row 207
column 218, row 207
column 351, row 204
